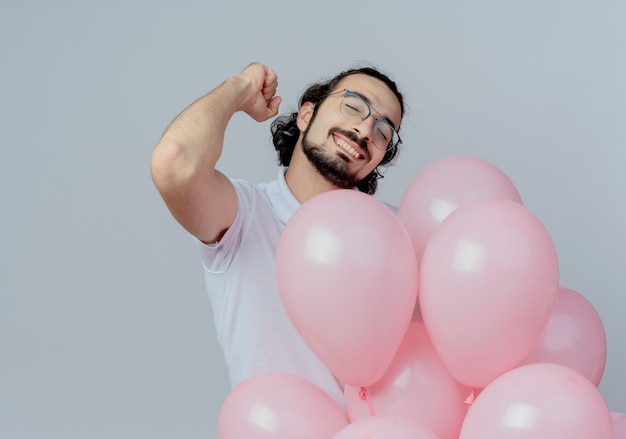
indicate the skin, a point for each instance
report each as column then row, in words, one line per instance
column 203, row 200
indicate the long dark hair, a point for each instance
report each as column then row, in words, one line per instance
column 285, row 131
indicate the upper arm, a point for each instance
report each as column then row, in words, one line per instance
column 204, row 203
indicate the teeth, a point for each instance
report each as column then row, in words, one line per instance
column 348, row 148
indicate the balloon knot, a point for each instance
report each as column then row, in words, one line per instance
column 365, row 396
column 472, row 396
column 363, row 393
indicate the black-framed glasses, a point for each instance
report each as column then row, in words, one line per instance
column 356, row 109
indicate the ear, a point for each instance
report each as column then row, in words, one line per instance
column 304, row 115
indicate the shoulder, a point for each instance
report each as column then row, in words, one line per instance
column 248, row 191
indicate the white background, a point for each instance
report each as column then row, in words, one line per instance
column 105, row 327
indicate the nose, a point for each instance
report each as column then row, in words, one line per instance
column 365, row 128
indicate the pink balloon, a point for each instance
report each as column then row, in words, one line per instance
column 538, row 401
column 279, row 405
column 488, row 279
column 574, row 337
column 347, row 277
column 385, row 427
column 417, row 386
column 445, row 185
column 618, row 421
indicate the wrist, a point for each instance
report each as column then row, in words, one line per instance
column 241, row 90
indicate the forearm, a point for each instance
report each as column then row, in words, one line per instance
column 192, row 144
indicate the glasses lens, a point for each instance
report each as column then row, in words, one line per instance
column 384, row 134
column 354, row 108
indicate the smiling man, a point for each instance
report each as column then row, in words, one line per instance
column 344, row 130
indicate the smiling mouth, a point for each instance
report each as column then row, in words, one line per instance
column 347, row 148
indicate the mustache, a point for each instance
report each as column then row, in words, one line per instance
column 351, row 135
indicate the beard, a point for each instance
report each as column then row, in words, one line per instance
column 334, row 168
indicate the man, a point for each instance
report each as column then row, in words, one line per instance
column 343, row 131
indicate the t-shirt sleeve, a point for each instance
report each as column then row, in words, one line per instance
column 217, row 257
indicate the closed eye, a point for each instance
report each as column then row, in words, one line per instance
column 352, row 108
column 382, row 133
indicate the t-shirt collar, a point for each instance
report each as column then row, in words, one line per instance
column 283, row 200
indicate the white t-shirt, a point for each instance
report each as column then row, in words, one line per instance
column 252, row 326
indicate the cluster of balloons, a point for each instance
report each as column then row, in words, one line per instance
column 445, row 320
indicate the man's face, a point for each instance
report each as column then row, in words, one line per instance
column 343, row 152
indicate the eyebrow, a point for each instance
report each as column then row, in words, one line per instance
column 385, row 118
